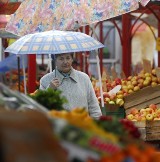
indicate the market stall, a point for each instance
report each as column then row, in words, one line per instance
column 91, row 140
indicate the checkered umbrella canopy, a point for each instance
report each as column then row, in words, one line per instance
column 54, row 42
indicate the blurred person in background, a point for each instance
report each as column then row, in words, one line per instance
column 75, row 85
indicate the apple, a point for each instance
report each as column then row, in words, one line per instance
column 154, row 71
column 130, row 86
column 148, row 78
column 108, row 84
column 125, row 94
column 125, row 90
column 113, row 84
column 140, row 75
column 158, row 111
column 134, row 111
column 118, row 81
column 147, row 74
column 120, row 96
column 124, row 87
column 136, row 88
column 119, row 101
column 140, row 80
column 154, row 115
column 105, row 94
column 119, row 92
column 149, row 117
column 143, row 118
column 149, row 110
column 140, row 85
column 112, row 96
column 129, row 83
column 154, row 79
column 135, row 78
column 143, row 112
column 107, row 100
column 134, row 82
column 146, row 82
column 153, row 106
column 129, row 78
column 137, row 117
column 154, row 84
column 111, row 102
column 130, row 91
column 130, row 117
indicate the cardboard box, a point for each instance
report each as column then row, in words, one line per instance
column 142, row 98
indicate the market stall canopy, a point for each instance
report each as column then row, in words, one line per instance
column 38, row 16
column 5, row 34
column 9, row 6
column 10, row 63
column 3, row 20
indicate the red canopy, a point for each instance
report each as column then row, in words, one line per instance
column 8, row 8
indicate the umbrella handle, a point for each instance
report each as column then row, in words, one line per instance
column 50, row 63
column 55, row 72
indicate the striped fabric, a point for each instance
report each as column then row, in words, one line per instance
column 54, row 42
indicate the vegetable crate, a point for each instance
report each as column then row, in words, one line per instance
column 149, row 130
column 114, row 110
column 142, row 98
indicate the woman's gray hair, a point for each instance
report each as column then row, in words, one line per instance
column 55, row 56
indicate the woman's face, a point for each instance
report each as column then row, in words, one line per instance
column 64, row 62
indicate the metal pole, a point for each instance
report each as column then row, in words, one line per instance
column 31, row 73
column 126, row 46
column 19, row 77
column 100, row 81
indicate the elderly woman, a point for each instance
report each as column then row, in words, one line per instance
column 75, row 85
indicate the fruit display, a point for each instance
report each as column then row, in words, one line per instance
column 132, row 153
column 139, row 81
column 76, row 116
column 113, row 98
column 129, row 85
column 122, row 133
column 109, row 139
column 152, row 112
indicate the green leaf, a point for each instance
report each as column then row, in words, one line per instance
column 49, row 98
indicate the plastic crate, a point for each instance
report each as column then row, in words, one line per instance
column 114, row 110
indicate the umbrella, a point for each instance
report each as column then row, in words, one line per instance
column 10, row 63
column 38, row 16
column 56, row 42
